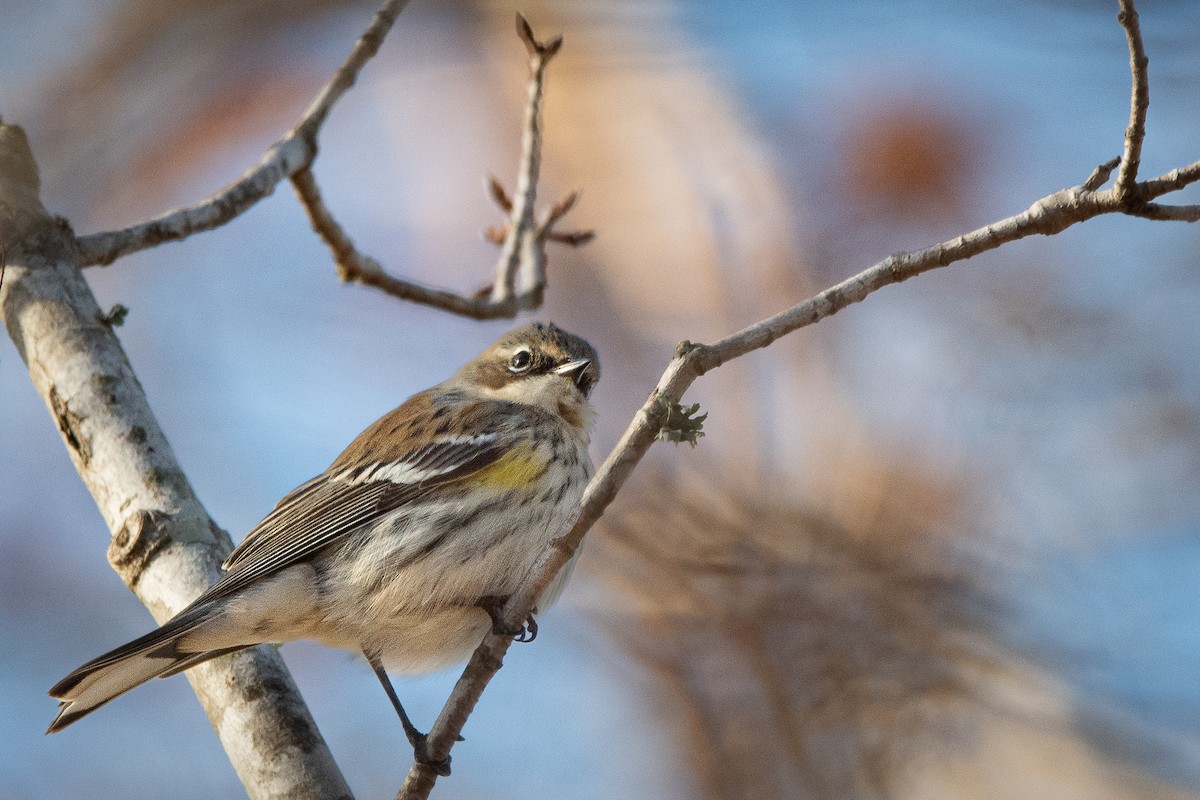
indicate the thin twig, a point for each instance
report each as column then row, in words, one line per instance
column 1139, row 101
column 347, row 260
column 520, row 278
column 359, row 268
column 293, row 153
column 1173, row 180
column 522, row 250
column 1167, row 213
column 521, row 268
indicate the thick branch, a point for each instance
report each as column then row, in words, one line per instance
column 291, row 154
column 1139, row 100
column 520, row 274
column 164, row 545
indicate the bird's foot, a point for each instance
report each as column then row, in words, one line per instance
column 419, row 742
column 494, row 606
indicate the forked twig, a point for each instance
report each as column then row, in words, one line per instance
column 520, row 273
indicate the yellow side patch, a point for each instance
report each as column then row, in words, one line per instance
column 516, row 468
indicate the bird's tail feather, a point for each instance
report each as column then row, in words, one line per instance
column 159, row 653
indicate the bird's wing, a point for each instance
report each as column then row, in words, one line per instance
column 355, row 491
column 373, row 477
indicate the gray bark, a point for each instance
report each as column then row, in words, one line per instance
column 164, row 545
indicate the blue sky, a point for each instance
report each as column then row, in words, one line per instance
column 251, row 355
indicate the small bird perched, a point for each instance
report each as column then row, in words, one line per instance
column 407, row 546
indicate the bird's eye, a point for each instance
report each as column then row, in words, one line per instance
column 520, row 361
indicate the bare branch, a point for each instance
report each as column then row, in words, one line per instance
column 358, row 268
column 293, row 153
column 521, row 269
column 353, row 266
column 520, row 277
column 1167, row 212
column 164, row 545
column 1174, row 180
column 1048, row 216
column 346, row 258
column 1139, row 101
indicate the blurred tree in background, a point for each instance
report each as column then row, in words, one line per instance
column 945, row 544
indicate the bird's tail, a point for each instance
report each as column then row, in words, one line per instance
column 176, row 646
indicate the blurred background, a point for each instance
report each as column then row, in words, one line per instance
column 945, row 544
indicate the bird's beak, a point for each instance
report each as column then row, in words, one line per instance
column 575, row 370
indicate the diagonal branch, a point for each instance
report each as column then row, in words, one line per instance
column 520, row 273
column 293, row 153
column 1139, row 100
column 355, row 266
column 164, row 545
column 1048, row 216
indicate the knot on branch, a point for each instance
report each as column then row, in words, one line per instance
column 70, row 424
column 137, row 542
column 684, row 348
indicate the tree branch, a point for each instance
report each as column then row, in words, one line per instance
column 1167, row 212
column 293, row 153
column 164, row 545
column 521, row 268
column 1139, row 100
column 1048, row 216
column 520, row 273
column 1172, row 181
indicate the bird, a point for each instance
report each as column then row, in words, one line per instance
column 406, row 548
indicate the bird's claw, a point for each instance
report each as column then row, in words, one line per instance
column 494, row 606
column 528, row 631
